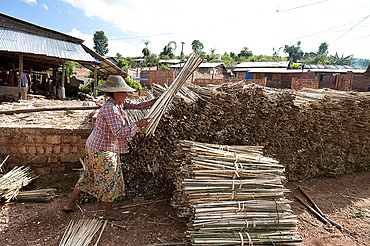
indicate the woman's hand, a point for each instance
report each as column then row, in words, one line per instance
column 150, row 103
column 142, row 122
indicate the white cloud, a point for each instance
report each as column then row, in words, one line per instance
column 45, row 6
column 229, row 26
column 30, row 1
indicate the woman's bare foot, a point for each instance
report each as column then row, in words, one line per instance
column 112, row 215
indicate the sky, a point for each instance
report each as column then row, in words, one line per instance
column 226, row 26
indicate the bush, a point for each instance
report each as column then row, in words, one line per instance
column 134, row 84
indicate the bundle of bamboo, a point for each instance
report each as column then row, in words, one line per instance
column 81, row 233
column 42, row 195
column 234, row 196
column 161, row 105
column 13, row 181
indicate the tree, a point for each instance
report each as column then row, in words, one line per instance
column 196, row 45
column 212, row 51
column 167, row 52
column 151, row 60
column 323, row 49
column 295, row 52
column 173, row 45
column 100, row 43
column 146, row 52
column 118, row 55
column 244, row 54
column 341, row 60
column 123, row 64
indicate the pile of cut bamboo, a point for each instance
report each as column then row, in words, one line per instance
column 161, row 105
column 81, row 233
column 13, row 181
column 234, row 196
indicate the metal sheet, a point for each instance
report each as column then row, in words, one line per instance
column 17, row 41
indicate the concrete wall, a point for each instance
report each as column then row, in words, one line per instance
column 45, row 150
column 13, row 91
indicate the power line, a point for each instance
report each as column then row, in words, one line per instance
column 352, row 27
column 301, row 6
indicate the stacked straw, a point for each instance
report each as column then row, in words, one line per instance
column 42, row 195
column 80, row 233
column 161, row 105
column 234, row 196
column 13, row 181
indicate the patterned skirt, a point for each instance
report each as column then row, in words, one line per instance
column 103, row 177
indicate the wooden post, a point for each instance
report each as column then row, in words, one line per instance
column 95, row 78
column 20, row 74
column 62, row 89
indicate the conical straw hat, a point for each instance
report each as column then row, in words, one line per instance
column 115, row 83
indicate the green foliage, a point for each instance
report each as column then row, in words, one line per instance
column 196, row 45
column 164, row 67
column 65, row 113
column 295, row 66
column 321, row 59
column 228, row 60
column 360, row 63
column 88, row 88
column 123, row 64
column 133, row 84
column 173, row 45
column 323, row 49
column 100, row 43
column 70, row 66
column 244, row 54
column 343, row 60
column 151, row 60
column 146, row 52
column 167, row 52
column 295, row 52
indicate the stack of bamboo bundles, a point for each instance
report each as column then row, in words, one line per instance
column 234, row 195
column 161, row 105
column 13, row 181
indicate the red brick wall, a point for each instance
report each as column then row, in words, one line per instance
column 205, row 82
column 45, row 150
column 298, row 84
column 360, row 82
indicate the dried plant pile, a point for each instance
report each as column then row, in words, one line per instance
column 234, row 196
column 13, row 181
column 80, row 233
column 161, row 105
column 42, row 195
column 326, row 138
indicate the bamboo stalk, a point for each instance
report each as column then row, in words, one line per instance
column 40, row 109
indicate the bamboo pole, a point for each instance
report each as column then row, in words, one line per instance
column 40, row 109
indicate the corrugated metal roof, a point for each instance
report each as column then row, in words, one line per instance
column 283, row 64
column 204, row 65
column 17, row 41
column 268, row 70
column 173, row 61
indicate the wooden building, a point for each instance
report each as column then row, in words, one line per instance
column 31, row 54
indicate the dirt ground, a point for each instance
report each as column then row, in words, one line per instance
column 346, row 200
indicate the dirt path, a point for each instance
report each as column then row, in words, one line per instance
column 345, row 200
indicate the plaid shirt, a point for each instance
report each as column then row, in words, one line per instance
column 110, row 132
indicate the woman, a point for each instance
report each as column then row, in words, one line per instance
column 103, row 174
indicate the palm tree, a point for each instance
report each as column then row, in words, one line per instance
column 336, row 60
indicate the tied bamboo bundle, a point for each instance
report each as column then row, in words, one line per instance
column 233, row 195
column 13, row 181
column 161, row 105
column 42, row 195
column 80, row 233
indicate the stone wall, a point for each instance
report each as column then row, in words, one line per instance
column 45, row 150
column 298, row 84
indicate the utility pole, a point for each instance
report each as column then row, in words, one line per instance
column 181, row 55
